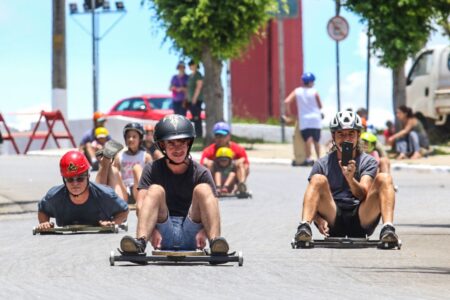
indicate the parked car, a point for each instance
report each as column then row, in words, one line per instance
column 147, row 107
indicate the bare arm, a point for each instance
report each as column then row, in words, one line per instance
column 408, row 128
column 288, row 101
column 44, row 221
column 358, row 189
column 319, row 103
column 198, row 88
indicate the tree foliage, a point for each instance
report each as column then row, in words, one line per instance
column 400, row 27
column 225, row 27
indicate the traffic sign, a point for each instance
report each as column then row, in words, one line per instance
column 337, row 28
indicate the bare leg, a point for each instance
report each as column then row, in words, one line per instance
column 318, row 199
column 153, row 209
column 380, row 199
column 385, row 165
column 317, row 149
column 205, row 210
column 137, row 172
column 308, row 144
column 242, row 170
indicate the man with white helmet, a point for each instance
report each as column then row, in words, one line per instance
column 347, row 200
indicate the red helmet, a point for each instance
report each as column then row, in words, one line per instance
column 73, row 163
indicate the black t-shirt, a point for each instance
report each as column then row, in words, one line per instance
column 179, row 188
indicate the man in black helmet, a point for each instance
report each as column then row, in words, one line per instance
column 348, row 199
column 177, row 204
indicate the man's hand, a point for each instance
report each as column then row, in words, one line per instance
column 200, row 238
column 46, row 225
column 348, row 170
column 322, row 225
column 106, row 223
column 155, row 239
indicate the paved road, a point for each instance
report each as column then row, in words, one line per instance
column 76, row 266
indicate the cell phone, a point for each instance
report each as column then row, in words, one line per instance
column 347, row 152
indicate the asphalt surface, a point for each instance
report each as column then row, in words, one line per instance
column 77, row 266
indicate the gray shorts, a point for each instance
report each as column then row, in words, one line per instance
column 178, row 233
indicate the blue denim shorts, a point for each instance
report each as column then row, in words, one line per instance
column 178, row 233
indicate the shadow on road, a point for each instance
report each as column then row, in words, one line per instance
column 423, row 270
column 424, row 225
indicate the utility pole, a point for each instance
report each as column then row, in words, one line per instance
column 59, row 81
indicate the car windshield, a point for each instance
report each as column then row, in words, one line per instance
column 161, row 103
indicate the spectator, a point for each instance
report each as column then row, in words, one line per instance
column 388, row 132
column 178, row 86
column 309, row 115
column 411, row 137
column 195, row 97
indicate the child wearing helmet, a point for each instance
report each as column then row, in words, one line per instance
column 123, row 171
column 371, row 146
column 177, row 207
column 79, row 201
column 224, row 171
column 347, row 200
column 222, row 138
column 89, row 137
column 309, row 113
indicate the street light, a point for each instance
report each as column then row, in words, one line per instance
column 92, row 7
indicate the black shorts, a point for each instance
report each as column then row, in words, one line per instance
column 311, row 132
column 347, row 223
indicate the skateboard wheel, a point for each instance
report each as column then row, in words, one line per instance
column 241, row 259
column 34, row 230
column 399, row 245
column 111, row 258
column 116, row 228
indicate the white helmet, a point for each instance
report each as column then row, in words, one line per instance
column 345, row 120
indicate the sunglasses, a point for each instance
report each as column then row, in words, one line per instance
column 77, row 179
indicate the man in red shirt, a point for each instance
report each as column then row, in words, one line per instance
column 222, row 137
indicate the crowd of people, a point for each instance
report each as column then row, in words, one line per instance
column 176, row 197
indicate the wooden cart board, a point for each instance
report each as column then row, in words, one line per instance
column 345, row 242
column 178, row 256
column 80, row 229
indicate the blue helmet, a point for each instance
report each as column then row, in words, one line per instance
column 308, row 77
column 221, row 128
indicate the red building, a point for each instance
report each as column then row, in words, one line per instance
column 255, row 76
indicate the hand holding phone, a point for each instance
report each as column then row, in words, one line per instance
column 347, row 153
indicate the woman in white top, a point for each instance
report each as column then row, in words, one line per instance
column 131, row 161
column 309, row 115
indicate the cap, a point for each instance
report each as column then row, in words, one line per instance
column 221, row 128
column 101, row 132
column 99, row 116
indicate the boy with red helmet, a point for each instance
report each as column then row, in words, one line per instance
column 79, row 201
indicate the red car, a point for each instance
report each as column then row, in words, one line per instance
column 148, row 107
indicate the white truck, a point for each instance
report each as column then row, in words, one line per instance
column 428, row 87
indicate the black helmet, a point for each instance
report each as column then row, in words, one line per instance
column 173, row 127
column 136, row 127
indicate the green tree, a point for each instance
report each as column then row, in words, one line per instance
column 211, row 31
column 401, row 28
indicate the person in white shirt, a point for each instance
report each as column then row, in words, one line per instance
column 310, row 117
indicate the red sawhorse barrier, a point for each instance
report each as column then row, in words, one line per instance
column 8, row 136
column 50, row 119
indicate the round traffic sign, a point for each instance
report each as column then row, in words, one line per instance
column 337, row 28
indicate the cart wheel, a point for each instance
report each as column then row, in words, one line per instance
column 116, row 228
column 111, row 258
column 293, row 245
column 34, row 230
column 399, row 245
column 241, row 259
column 125, row 227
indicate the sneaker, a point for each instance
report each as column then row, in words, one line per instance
column 219, row 246
column 242, row 188
column 111, row 149
column 307, row 163
column 131, row 245
column 387, row 234
column 304, row 233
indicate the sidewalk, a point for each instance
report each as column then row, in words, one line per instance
column 282, row 154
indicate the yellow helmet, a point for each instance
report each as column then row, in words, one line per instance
column 101, row 132
column 224, row 152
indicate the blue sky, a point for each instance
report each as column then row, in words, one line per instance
column 134, row 60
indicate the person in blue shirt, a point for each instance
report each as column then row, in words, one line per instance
column 79, row 201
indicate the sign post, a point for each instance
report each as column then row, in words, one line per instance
column 338, row 28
